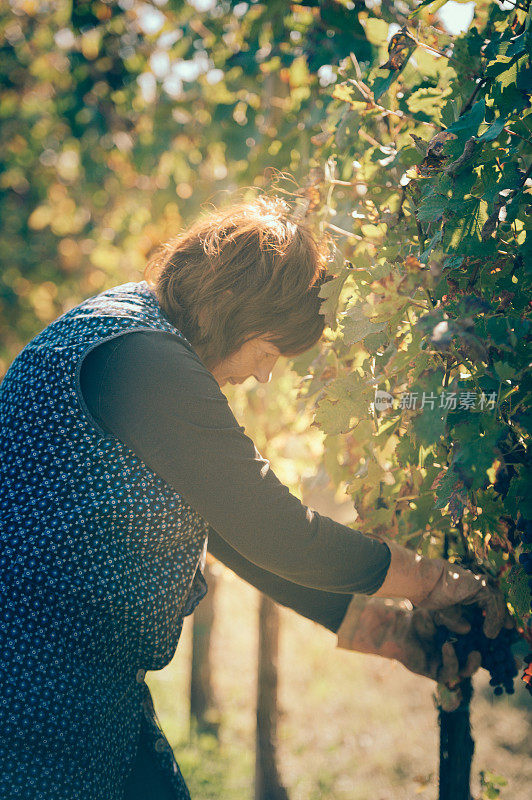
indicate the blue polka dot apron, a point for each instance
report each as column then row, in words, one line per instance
column 100, row 561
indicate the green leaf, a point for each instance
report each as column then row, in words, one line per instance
column 515, row 585
column 447, row 483
column 356, row 326
column 382, row 84
column 504, row 371
column 517, row 45
column 468, row 124
column 426, row 100
column 462, row 231
column 510, row 87
column 333, row 417
column 346, row 397
column 476, row 457
column 436, row 239
column 453, row 262
column 450, row 112
column 519, row 497
column 429, row 424
column 431, row 208
column 494, row 130
column 330, row 294
column 524, row 80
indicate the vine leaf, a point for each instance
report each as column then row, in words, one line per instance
column 511, row 88
column 464, row 229
column 356, row 326
column 400, row 47
column 333, row 417
column 515, row 583
column 468, row 124
column 330, row 294
column 431, row 208
column 420, row 144
column 451, row 491
column 346, row 397
column 428, row 426
column 435, row 157
column 494, row 130
column 426, row 100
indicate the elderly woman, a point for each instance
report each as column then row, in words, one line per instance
column 121, row 463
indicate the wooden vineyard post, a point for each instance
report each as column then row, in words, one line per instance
column 456, row 748
column 204, row 714
column 267, row 781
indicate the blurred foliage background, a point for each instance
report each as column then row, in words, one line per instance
column 120, row 120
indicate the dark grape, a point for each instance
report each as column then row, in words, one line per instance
column 524, row 526
column 496, row 654
column 526, row 560
column 512, row 533
column 503, row 477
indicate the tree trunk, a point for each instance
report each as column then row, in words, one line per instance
column 204, row 715
column 267, row 782
column 456, row 748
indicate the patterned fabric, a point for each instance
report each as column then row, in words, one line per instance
column 100, row 560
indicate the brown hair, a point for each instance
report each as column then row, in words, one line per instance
column 253, row 270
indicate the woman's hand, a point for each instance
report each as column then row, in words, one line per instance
column 434, row 584
column 393, row 630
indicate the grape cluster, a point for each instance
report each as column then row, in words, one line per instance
column 524, row 526
column 503, row 476
column 496, row 654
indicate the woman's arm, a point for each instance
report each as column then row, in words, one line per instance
column 155, row 394
column 326, row 608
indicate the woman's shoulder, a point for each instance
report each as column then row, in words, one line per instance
column 157, row 344
column 146, row 360
column 148, row 347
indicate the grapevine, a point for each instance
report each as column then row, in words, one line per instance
column 496, row 654
column 430, row 307
column 524, row 526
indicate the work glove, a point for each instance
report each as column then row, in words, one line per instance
column 395, row 630
column 436, row 585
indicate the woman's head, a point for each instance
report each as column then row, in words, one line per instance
column 243, row 273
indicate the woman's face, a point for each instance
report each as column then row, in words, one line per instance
column 256, row 357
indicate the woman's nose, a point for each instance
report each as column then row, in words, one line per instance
column 263, row 376
column 264, row 370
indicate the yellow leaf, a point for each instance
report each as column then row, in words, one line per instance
column 343, row 93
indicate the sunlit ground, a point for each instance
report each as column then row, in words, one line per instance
column 352, row 727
